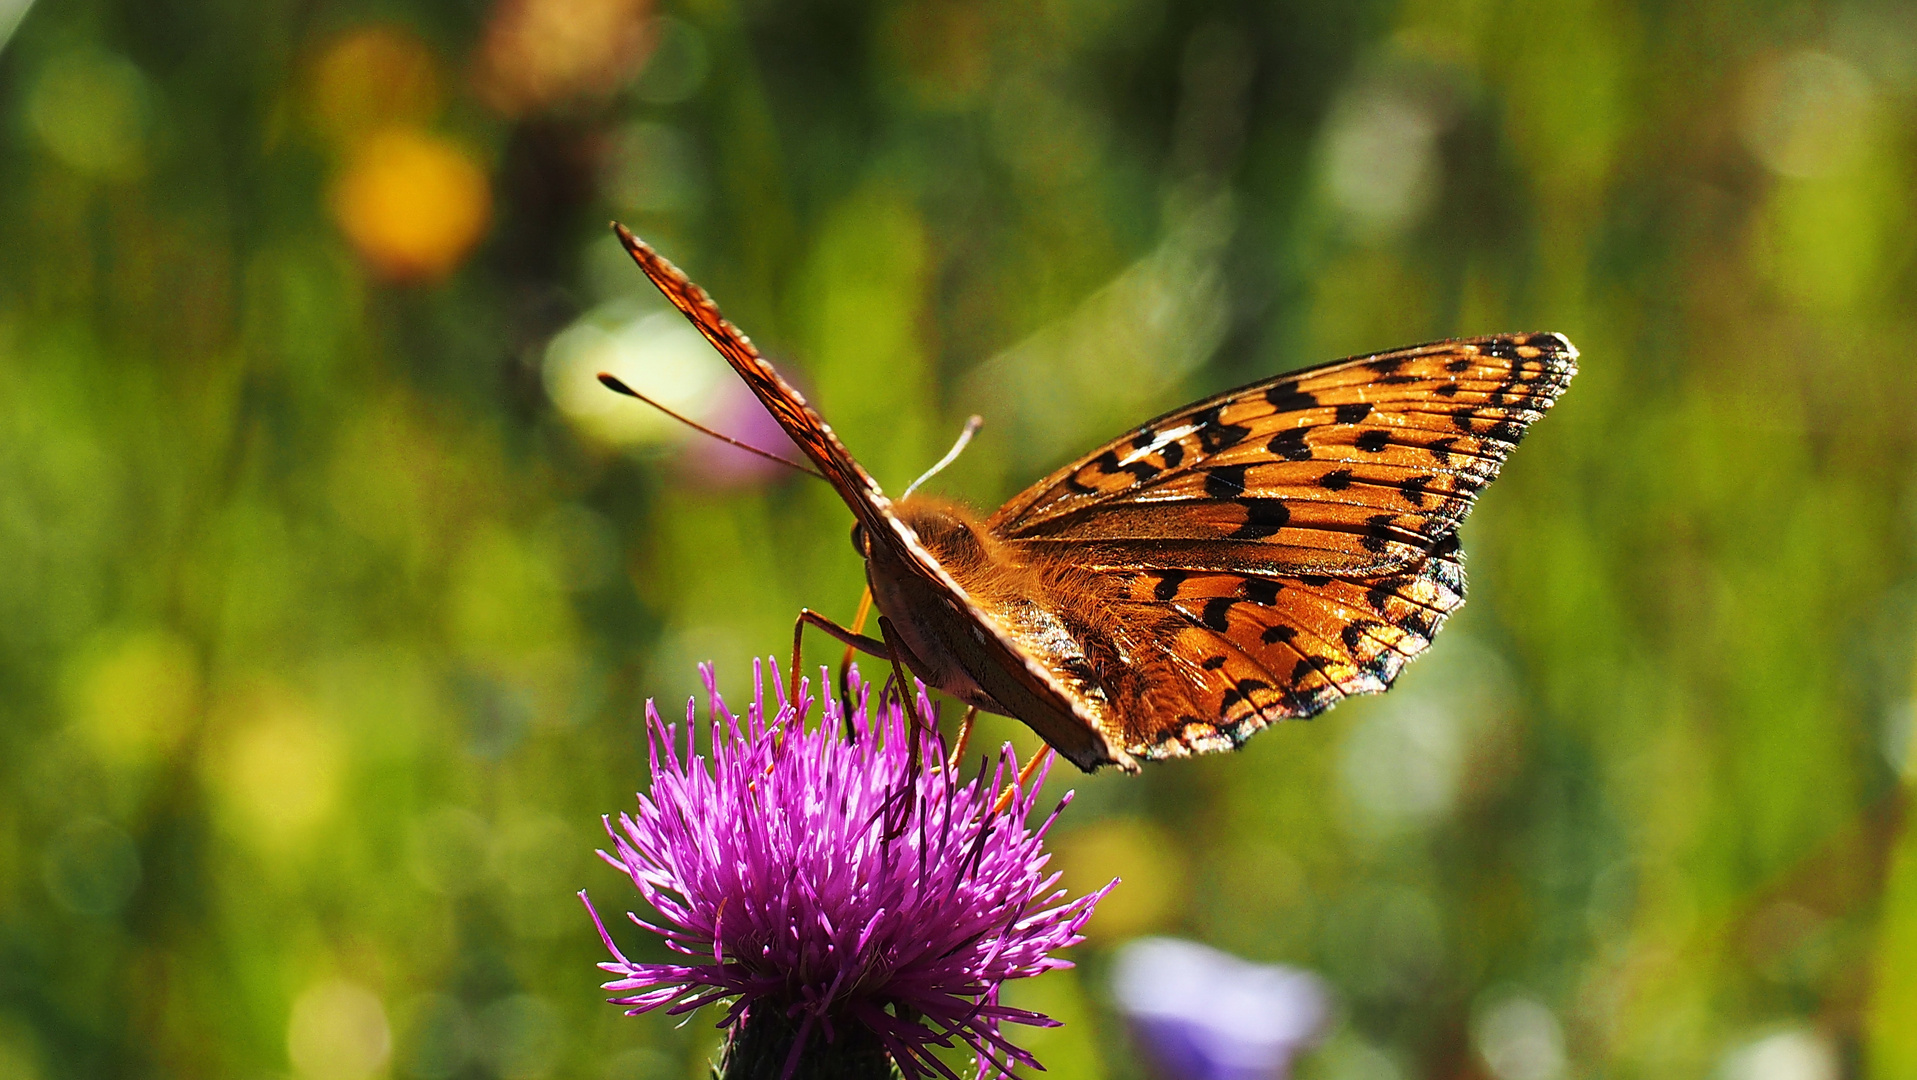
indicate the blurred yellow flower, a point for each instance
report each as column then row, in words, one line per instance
column 413, row 204
column 371, row 78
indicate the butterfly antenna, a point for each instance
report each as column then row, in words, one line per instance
column 612, row 383
column 971, row 429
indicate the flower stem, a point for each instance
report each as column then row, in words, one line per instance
column 758, row 1046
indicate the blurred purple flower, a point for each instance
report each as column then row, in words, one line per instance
column 843, row 904
column 1201, row 1014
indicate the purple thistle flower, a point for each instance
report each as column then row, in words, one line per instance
column 835, row 897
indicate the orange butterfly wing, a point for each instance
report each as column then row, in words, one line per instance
column 947, row 615
column 1279, row 547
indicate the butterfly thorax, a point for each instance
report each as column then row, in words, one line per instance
column 1033, row 602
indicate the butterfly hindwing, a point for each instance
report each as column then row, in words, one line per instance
column 1253, row 650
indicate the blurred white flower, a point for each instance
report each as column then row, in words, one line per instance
column 1381, row 158
column 1806, row 114
column 1520, row 1040
column 1794, row 1054
column 656, row 353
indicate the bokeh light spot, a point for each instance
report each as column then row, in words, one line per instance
column 338, row 1031
column 413, row 204
column 1520, row 1039
column 277, row 768
column 658, row 354
column 1380, row 159
column 373, row 78
column 540, row 53
column 91, row 109
column 133, row 695
column 1806, row 114
column 1794, row 1054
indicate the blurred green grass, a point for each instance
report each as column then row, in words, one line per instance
column 328, row 608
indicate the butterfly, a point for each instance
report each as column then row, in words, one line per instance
column 1258, row 555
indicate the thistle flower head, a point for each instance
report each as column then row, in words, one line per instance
column 812, row 872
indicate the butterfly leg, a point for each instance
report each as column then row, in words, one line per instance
column 1024, row 776
column 964, row 739
column 850, row 638
column 896, row 648
column 845, row 662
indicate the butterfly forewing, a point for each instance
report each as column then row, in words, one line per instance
column 1446, row 413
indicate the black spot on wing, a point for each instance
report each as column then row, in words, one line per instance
column 1242, row 693
column 1214, row 434
column 1263, row 517
column 1354, row 412
column 1373, row 441
column 1225, row 481
column 1217, row 613
column 1356, row 631
column 1378, row 533
column 1286, row 397
column 1262, row 591
column 1335, row 480
column 1168, row 582
column 1290, row 445
column 1277, row 635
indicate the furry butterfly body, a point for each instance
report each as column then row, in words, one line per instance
column 1255, row 556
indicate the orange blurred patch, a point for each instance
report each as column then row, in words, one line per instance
column 373, row 78
column 540, row 53
column 413, row 204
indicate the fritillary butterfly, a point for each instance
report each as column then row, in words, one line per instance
column 1259, row 555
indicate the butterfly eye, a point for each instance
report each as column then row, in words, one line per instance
column 858, row 538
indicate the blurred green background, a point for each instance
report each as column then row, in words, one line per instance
column 330, row 587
